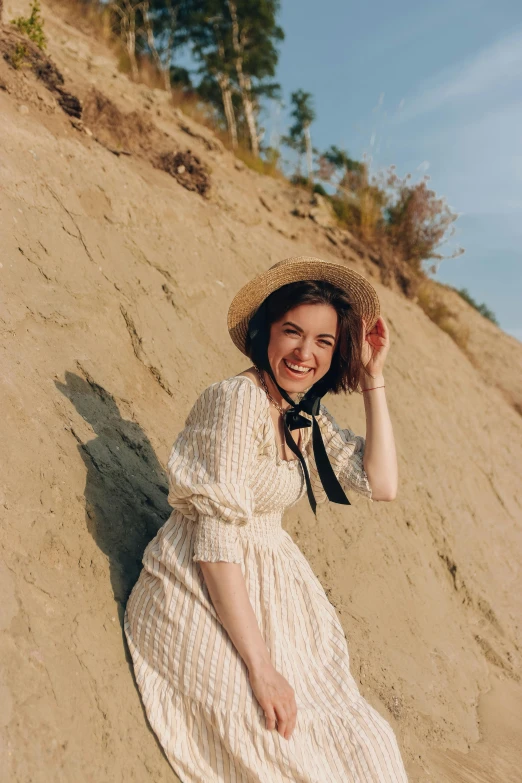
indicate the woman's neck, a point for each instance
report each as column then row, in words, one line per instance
column 274, row 391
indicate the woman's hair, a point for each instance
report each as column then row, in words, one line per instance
column 346, row 364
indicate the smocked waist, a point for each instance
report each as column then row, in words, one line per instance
column 260, row 528
column 263, row 527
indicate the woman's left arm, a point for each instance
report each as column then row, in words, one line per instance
column 380, row 458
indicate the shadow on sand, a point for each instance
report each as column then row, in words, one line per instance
column 126, row 486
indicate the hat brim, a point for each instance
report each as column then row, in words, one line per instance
column 358, row 289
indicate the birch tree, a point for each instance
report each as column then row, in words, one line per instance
column 234, row 41
column 254, row 33
column 166, row 26
column 127, row 15
column 210, row 39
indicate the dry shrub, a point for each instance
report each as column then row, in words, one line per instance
column 417, row 221
column 133, row 132
column 116, row 130
column 187, row 169
column 19, row 51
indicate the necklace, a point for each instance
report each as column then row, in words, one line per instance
column 265, row 387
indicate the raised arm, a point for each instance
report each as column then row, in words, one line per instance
column 380, row 458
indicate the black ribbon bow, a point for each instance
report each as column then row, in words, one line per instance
column 293, row 418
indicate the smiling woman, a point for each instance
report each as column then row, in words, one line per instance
column 310, row 324
column 240, row 658
column 305, row 349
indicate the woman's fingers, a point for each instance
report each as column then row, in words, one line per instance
column 282, row 720
column 270, row 718
column 291, row 726
column 277, row 698
column 287, row 718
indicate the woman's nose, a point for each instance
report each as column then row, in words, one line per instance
column 304, row 351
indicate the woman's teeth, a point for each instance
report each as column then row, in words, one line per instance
column 296, row 368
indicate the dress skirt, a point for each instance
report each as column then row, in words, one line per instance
column 195, row 686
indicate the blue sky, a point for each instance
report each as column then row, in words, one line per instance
column 433, row 88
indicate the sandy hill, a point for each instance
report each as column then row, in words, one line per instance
column 118, row 262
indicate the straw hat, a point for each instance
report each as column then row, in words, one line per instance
column 360, row 292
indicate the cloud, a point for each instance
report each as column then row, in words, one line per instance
column 498, row 64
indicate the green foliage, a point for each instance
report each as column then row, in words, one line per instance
column 482, row 308
column 347, row 213
column 298, row 137
column 272, row 158
column 32, row 27
column 18, row 56
column 300, row 181
column 340, row 160
column 302, row 111
column 234, row 42
column 318, row 188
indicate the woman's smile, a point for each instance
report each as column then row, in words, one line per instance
column 301, row 346
column 297, row 370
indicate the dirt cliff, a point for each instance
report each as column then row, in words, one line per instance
column 124, row 234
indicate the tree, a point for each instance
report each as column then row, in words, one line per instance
column 127, row 15
column 299, row 138
column 210, row 39
column 234, row 41
column 166, row 26
column 254, row 31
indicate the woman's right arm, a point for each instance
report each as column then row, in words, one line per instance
column 227, row 588
column 210, row 467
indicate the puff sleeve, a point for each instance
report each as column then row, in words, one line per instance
column 345, row 451
column 209, row 467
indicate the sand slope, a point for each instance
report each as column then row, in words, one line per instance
column 115, row 281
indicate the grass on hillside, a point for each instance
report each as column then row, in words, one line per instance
column 483, row 309
column 441, row 315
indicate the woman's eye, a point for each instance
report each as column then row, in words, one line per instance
column 293, row 331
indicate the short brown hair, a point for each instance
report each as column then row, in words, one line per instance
column 346, row 364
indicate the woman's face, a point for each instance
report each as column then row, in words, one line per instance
column 304, row 337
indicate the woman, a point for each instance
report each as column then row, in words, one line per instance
column 240, row 659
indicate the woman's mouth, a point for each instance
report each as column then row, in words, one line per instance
column 295, row 370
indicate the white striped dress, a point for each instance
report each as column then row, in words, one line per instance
column 229, row 489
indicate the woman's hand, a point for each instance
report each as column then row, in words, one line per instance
column 276, row 696
column 375, row 347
